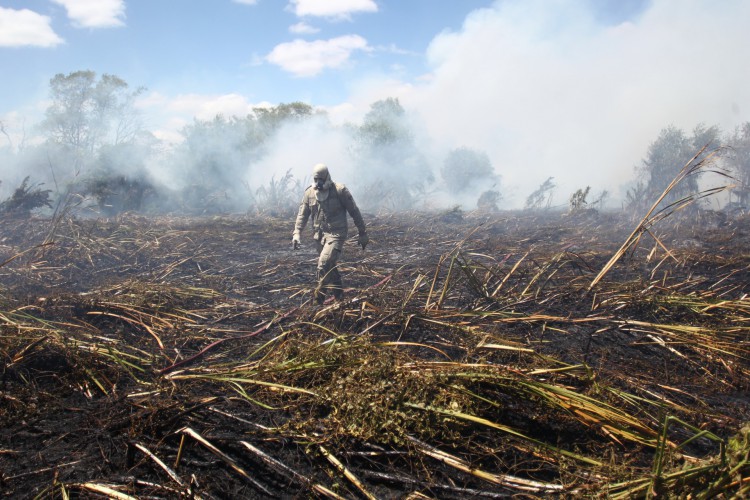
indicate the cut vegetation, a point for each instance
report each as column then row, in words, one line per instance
column 480, row 356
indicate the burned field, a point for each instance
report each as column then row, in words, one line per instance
column 167, row 357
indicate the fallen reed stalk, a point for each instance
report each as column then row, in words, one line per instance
column 692, row 167
column 476, row 339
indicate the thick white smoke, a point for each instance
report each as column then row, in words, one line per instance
column 297, row 147
column 547, row 90
column 544, row 87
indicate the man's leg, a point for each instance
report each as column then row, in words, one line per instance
column 318, row 294
column 329, row 278
column 334, row 280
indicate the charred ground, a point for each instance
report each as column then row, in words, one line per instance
column 162, row 357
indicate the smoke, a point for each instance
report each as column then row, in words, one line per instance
column 546, row 89
column 296, row 147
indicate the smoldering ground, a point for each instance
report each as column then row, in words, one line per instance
column 166, row 356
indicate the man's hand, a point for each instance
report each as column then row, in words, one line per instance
column 363, row 240
column 295, row 241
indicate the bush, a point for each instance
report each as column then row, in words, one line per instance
column 465, row 169
column 25, row 199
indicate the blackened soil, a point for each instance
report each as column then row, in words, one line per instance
column 98, row 315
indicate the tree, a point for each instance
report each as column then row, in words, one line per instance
column 467, row 169
column 488, row 200
column 87, row 113
column 266, row 122
column 213, row 162
column 272, row 118
column 118, row 179
column 664, row 159
column 392, row 171
column 209, row 165
column 667, row 155
column 739, row 163
column 383, row 126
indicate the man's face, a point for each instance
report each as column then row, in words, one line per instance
column 319, row 181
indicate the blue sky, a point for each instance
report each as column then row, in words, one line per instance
column 571, row 88
column 267, row 50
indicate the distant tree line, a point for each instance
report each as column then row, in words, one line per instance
column 95, row 147
column 674, row 148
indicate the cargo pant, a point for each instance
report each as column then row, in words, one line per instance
column 329, row 278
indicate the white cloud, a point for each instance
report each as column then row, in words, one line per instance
column 303, row 29
column 20, row 28
column 95, row 13
column 303, row 58
column 337, row 9
column 207, row 108
column 204, row 107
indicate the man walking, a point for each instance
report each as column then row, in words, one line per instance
column 328, row 203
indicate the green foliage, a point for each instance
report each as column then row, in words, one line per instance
column 217, row 154
column 86, row 113
column 267, row 121
column 383, row 126
column 274, row 117
column 739, row 163
column 488, row 201
column 666, row 156
column 393, row 172
column 216, row 151
column 465, row 169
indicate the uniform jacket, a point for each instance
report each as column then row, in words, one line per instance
column 329, row 220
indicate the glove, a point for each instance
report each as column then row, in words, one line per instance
column 295, row 241
column 363, row 240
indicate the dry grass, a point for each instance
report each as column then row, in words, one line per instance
column 472, row 356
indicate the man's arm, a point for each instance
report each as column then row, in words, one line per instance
column 299, row 224
column 351, row 207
